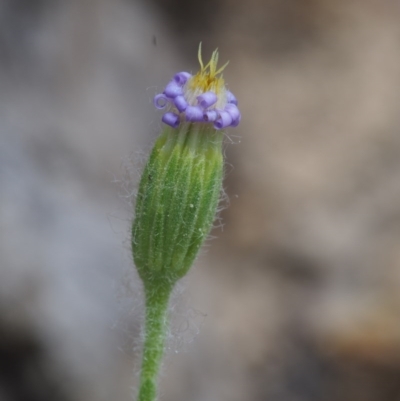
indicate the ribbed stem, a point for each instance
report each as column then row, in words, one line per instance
column 156, row 327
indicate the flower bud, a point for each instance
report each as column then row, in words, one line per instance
column 181, row 183
column 177, row 199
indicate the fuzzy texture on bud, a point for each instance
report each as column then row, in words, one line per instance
column 176, row 202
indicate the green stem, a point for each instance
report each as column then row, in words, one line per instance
column 156, row 326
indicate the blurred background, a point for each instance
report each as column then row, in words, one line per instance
column 297, row 298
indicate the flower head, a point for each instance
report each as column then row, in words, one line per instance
column 199, row 98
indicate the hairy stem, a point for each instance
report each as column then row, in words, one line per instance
column 156, row 327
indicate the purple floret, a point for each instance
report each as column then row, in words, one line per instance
column 173, row 89
column 182, row 77
column 230, row 98
column 210, row 115
column 171, row 119
column 207, row 99
column 236, row 122
column 233, row 111
column 160, row 101
column 223, row 121
column 194, row 114
column 180, row 103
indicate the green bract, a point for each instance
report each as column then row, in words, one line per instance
column 176, row 202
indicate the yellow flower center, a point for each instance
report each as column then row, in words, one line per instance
column 208, row 78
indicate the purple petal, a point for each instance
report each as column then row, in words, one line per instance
column 223, row 120
column 160, row 101
column 181, row 77
column 207, row 99
column 210, row 115
column 173, row 90
column 230, row 98
column 171, row 119
column 233, row 111
column 180, row 103
column 194, row 114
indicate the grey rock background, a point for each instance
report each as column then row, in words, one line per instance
column 298, row 296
